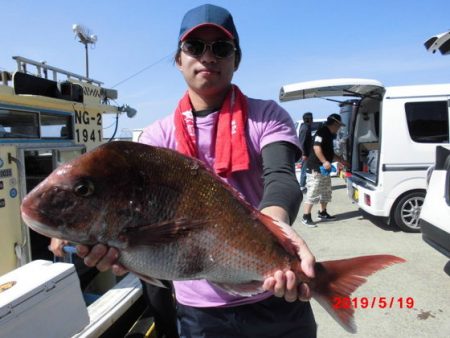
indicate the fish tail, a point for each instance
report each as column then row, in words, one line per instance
column 336, row 280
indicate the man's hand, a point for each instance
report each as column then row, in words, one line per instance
column 56, row 246
column 327, row 165
column 285, row 284
column 102, row 257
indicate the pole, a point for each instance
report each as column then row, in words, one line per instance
column 87, row 60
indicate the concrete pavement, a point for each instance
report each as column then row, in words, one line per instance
column 422, row 279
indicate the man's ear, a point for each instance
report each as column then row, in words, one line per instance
column 237, row 60
column 178, row 62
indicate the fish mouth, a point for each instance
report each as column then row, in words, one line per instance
column 60, row 231
column 39, row 227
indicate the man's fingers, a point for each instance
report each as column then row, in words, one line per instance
column 286, row 285
column 106, row 262
column 101, row 257
column 290, row 294
column 82, row 250
column 308, row 266
column 304, row 292
column 119, row 270
column 95, row 255
column 308, row 261
column 56, row 246
column 280, row 283
column 268, row 284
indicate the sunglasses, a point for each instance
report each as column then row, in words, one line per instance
column 196, row 48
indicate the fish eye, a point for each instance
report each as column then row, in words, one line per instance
column 84, row 188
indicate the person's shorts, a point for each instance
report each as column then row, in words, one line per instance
column 318, row 188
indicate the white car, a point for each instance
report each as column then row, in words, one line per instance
column 435, row 214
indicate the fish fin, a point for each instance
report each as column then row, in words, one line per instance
column 159, row 233
column 336, row 281
column 282, row 232
column 246, row 289
column 151, row 280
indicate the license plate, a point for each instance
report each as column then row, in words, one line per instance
column 356, row 195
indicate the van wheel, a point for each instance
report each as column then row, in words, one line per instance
column 407, row 211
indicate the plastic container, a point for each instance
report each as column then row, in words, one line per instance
column 42, row 299
column 326, row 172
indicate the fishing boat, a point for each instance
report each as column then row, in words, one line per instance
column 48, row 116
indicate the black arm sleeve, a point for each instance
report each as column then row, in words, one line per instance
column 281, row 187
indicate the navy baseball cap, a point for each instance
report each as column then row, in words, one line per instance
column 208, row 15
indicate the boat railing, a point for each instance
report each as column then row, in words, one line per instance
column 43, row 69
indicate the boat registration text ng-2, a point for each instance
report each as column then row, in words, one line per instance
column 88, row 127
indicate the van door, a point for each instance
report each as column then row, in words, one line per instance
column 435, row 212
column 332, row 88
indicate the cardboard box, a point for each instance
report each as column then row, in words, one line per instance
column 41, row 299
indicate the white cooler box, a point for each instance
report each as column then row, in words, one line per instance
column 44, row 300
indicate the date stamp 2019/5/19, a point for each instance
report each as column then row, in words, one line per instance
column 373, row 302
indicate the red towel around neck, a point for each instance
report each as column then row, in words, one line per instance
column 231, row 146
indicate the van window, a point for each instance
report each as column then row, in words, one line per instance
column 428, row 121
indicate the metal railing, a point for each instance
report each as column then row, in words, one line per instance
column 43, row 69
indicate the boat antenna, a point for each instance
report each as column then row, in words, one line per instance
column 86, row 38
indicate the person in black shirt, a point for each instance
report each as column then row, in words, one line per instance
column 305, row 139
column 319, row 185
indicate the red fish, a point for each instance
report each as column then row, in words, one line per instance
column 172, row 218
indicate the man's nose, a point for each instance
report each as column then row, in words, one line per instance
column 209, row 56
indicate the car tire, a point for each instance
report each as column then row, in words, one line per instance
column 407, row 211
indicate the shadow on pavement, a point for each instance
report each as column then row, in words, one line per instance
column 338, row 187
column 447, row 268
column 380, row 222
column 347, row 215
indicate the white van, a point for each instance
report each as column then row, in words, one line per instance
column 392, row 136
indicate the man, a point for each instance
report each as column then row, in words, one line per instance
column 319, row 184
column 252, row 145
column 305, row 139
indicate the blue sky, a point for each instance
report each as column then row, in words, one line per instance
column 282, row 41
